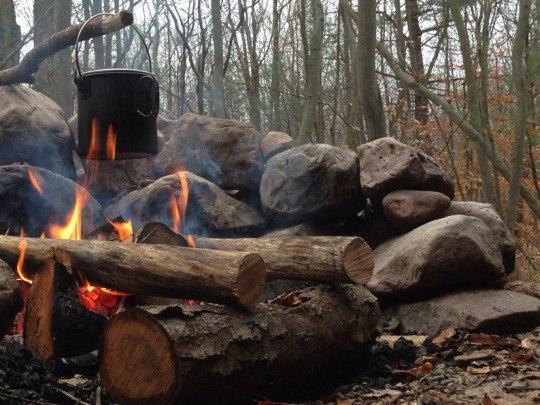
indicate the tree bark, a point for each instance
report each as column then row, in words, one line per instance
column 277, row 71
column 233, row 278
column 99, row 48
column 520, row 121
column 209, row 354
column 10, row 35
column 325, row 259
column 56, row 324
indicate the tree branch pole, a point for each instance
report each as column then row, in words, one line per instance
column 23, row 72
column 473, row 134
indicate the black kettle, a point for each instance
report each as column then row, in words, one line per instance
column 117, row 110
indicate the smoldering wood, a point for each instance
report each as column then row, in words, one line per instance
column 56, row 324
column 23, row 72
column 234, row 278
column 325, row 259
column 152, row 354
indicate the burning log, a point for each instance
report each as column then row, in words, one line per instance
column 10, row 298
column 234, row 278
column 214, row 354
column 56, row 324
column 22, row 73
column 325, row 259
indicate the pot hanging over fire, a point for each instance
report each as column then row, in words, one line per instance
column 117, row 110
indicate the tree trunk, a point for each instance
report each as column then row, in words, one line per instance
column 210, row 354
column 217, row 33
column 325, row 259
column 54, row 74
column 277, row 71
column 10, row 35
column 99, row 48
column 313, row 77
column 520, row 122
column 372, row 107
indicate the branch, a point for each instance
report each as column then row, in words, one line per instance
column 23, row 72
column 458, row 118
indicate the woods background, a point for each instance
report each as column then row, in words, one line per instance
column 460, row 79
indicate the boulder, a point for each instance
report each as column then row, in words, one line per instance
column 524, row 287
column 491, row 218
column 456, row 251
column 210, row 211
column 11, row 301
column 387, row 165
column 226, row 152
column 407, row 209
column 275, row 142
column 374, row 228
column 489, row 311
column 311, row 182
column 23, row 206
column 33, row 130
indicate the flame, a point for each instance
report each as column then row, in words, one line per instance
column 124, row 230
column 179, row 203
column 72, row 229
column 23, row 244
column 34, row 180
column 190, row 240
column 110, row 145
column 94, row 139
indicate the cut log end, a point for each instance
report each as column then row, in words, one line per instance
column 251, row 278
column 125, row 17
column 37, row 334
column 358, row 261
column 137, row 360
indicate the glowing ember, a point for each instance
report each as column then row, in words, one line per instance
column 124, row 230
column 179, row 203
column 100, row 300
column 34, row 180
column 110, row 146
column 23, row 244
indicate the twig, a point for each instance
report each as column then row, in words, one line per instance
column 23, row 72
column 70, row 397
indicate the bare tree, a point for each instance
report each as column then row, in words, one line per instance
column 10, row 34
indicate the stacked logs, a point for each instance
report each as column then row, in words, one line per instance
column 155, row 353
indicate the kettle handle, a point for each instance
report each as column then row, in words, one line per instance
column 77, row 64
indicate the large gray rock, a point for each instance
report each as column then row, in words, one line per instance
column 387, row 165
column 11, row 301
column 490, row 311
column 456, row 251
column 487, row 213
column 226, row 152
column 23, row 206
column 275, row 142
column 33, row 130
column 407, row 209
column 210, row 211
column 311, row 182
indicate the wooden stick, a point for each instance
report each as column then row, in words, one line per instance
column 234, row 278
column 23, row 72
column 210, row 354
column 325, row 259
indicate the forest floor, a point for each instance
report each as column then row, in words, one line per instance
column 453, row 368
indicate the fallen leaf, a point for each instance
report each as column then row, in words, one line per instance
column 424, row 359
column 476, row 355
column 413, row 373
column 344, row 401
column 483, row 339
column 484, row 370
column 521, row 357
column 444, row 336
column 416, row 340
column 487, row 400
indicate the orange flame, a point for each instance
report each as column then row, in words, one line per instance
column 23, row 244
column 34, row 180
column 124, row 230
column 110, row 145
column 179, row 203
column 72, row 229
column 94, row 139
column 190, row 240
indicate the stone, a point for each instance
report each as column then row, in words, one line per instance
column 33, row 130
column 387, row 165
column 314, row 183
column 374, row 228
column 452, row 252
column 23, row 206
column 488, row 311
column 407, row 209
column 225, row 152
column 531, row 288
column 491, row 218
column 275, row 142
column 11, row 301
column 210, row 211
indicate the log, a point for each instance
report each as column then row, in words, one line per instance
column 234, row 278
column 23, row 72
column 11, row 301
column 214, row 354
column 56, row 324
column 324, row 259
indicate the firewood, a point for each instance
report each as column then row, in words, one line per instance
column 11, row 301
column 214, row 354
column 234, row 278
column 56, row 324
column 157, row 233
column 325, row 259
